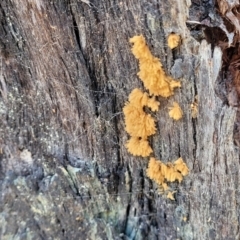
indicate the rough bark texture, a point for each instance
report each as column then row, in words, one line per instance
column 66, row 70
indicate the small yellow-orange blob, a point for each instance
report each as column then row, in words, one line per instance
column 173, row 40
column 170, row 195
column 175, row 111
column 194, row 107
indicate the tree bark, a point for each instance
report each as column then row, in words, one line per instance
column 66, row 70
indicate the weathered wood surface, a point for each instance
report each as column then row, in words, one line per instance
column 66, row 71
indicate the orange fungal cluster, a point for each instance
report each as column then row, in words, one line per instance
column 139, row 124
column 169, row 172
column 151, row 71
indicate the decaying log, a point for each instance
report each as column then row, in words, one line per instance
column 66, row 71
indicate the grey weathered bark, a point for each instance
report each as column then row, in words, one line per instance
column 66, row 71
